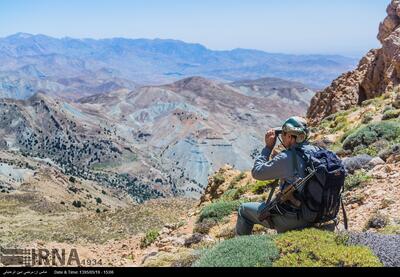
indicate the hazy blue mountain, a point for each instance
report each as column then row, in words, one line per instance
column 156, row 61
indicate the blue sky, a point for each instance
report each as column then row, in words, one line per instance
column 347, row 27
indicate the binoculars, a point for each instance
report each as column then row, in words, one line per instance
column 278, row 131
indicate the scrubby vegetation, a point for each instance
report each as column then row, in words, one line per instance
column 219, row 179
column 388, row 130
column 307, row 248
column 316, row 248
column 260, row 186
column 356, row 180
column 391, row 114
column 149, row 238
column 377, row 221
column 218, row 210
column 337, row 122
column 231, row 194
column 249, row 251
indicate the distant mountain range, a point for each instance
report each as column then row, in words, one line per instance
column 74, row 68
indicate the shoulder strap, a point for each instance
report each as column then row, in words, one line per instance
column 295, row 164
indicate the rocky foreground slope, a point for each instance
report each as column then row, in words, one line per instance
column 182, row 232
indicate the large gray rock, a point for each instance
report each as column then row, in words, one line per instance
column 374, row 162
column 355, row 163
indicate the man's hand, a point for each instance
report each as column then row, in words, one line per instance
column 270, row 139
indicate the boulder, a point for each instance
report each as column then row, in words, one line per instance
column 374, row 162
column 355, row 163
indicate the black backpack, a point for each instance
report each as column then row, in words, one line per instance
column 321, row 197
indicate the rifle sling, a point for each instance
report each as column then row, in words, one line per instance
column 345, row 220
column 271, row 193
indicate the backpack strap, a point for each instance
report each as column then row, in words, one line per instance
column 304, row 156
column 295, row 164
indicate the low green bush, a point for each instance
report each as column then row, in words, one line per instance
column 367, row 118
column 369, row 150
column 149, row 238
column 372, row 150
column 236, row 180
column 218, row 210
column 340, row 123
column 260, row 186
column 247, row 251
column 390, row 230
column 219, row 179
column 317, row 248
column 231, row 195
column 388, row 130
column 351, row 132
column 357, row 179
column 391, row 114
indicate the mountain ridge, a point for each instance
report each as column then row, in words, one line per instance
column 154, row 62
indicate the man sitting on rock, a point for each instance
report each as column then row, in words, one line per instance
column 286, row 166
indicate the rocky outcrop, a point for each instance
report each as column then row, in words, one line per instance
column 377, row 73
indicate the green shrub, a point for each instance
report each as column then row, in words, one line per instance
column 218, row 210
column 98, row 200
column 388, row 130
column 391, row 114
column 230, row 195
column 367, row 118
column 219, row 179
column 390, row 230
column 247, row 251
column 246, row 188
column 371, row 150
column 240, row 177
column 316, row 248
column 356, row 180
column 149, row 238
column 340, row 123
column 260, row 186
column 77, row 204
column 351, row 132
column 236, row 180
